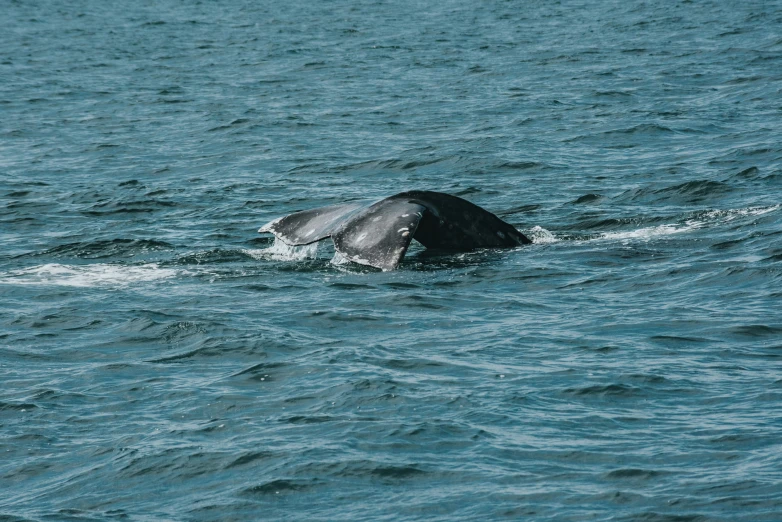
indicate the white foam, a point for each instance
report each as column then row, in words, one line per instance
column 99, row 274
column 339, row 259
column 541, row 235
column 647, row 233
column 703, row 219
column 726, row 216
column 281, row 251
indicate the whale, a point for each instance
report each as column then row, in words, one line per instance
column 378, row 234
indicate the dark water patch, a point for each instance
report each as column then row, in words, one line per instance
column 280, row 487
column 179, row 463
column 634, row 474
column 367, row 470
column 84, row 325
column 396, row 472
column 116, row 207
column 400, row 285
column 169, row 101
column 587, row 199
column 679, row 340
column 251, row 457
column 519, row 210
column 21, row 407
column 257, row 288
column 629, row 137
column 601, row 349
column 352, row 286
column 309, row 419
column 756, row 330
column 773, row 179
column 613, row 94
column 748, row 173
column 416, row 301
column 260, row 371
column 608, row 390
column 64, row 320
column 211, row 347
column 101, row 146
column 439, row 430
column 467, row 191
column 647, row 379
column 234, row 123
column 56, row 397
column 174, row 89
column 728, row 245
column 411, row 364
column 653, row 516
column 522, row 165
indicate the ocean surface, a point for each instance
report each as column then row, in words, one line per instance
column 162, row 360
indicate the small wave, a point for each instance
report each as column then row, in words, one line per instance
column 522, row 165
column 608, row 390
column 100, row 274
column 398, row 164
column 281, row 251
column 17, row 406
column 275, row 487
column 696, row 221
column 120, row 247
column 587, row 199
column 633, row 474
column 688, row 193
column 113, row 206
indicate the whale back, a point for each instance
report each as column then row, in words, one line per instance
column 453, row 223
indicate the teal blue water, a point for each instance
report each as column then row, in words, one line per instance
column 160, row 360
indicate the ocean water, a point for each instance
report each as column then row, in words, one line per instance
column 161, row 360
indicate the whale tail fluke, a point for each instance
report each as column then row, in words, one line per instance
column 379, row 235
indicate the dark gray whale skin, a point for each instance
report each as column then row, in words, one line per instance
column 379, row 234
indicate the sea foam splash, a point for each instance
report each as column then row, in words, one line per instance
column 339, row 260
column 539, row 235
column 281, row 251
column 99, row 274
column 647, row 232
column 700, row 220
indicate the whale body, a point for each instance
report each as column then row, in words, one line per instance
column 380, row 233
